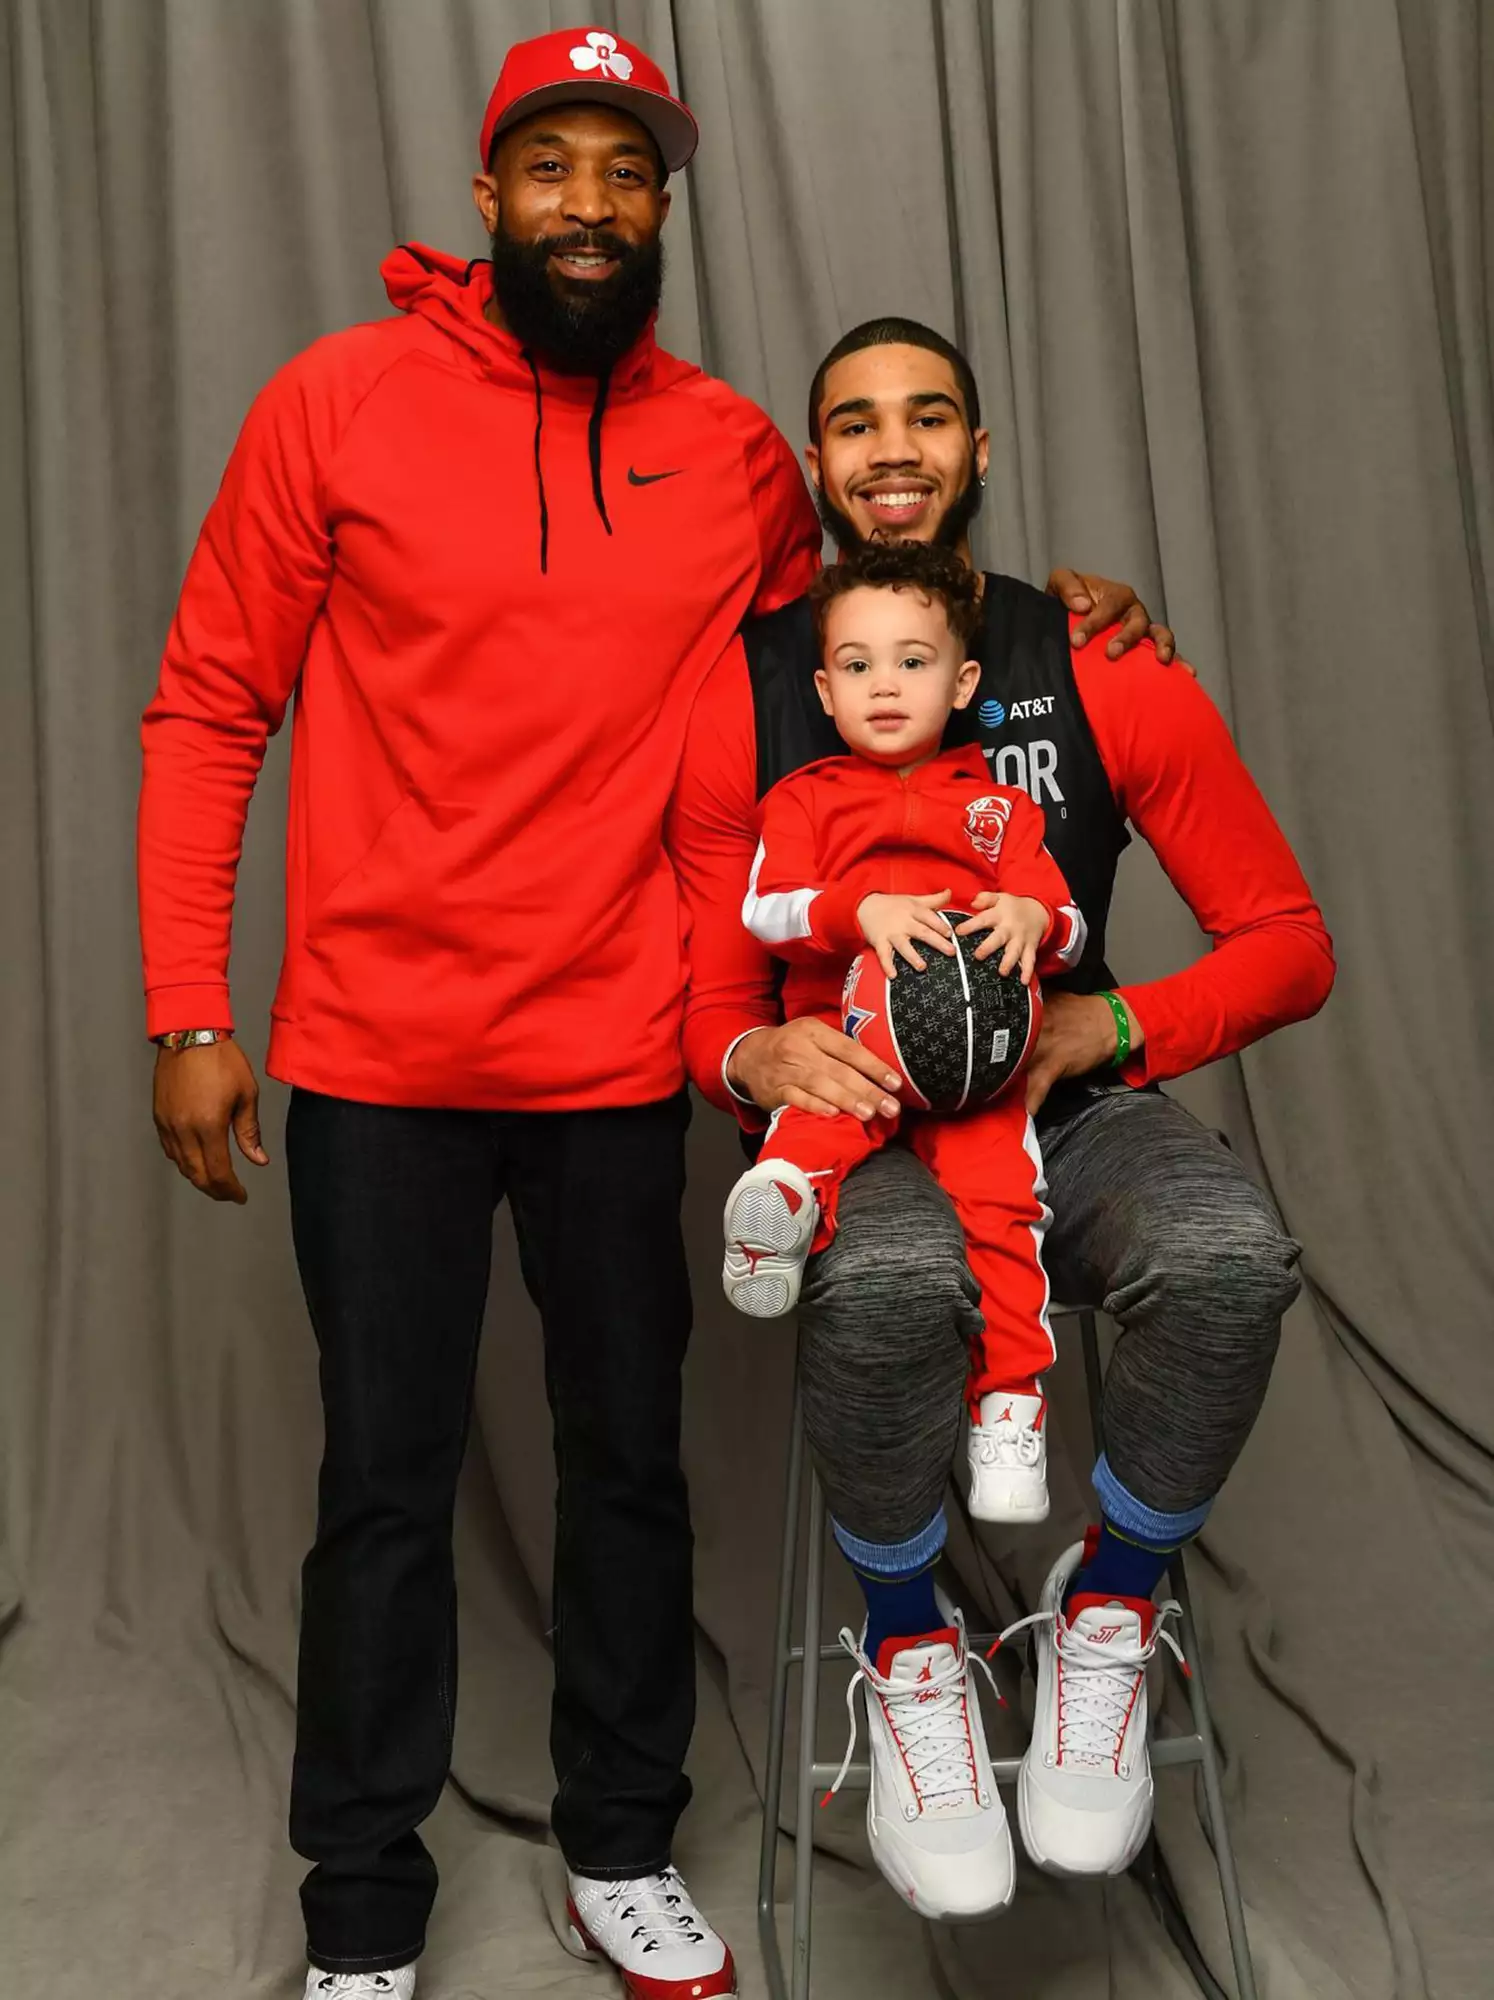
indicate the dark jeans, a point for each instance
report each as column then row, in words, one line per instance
column 393, row 1212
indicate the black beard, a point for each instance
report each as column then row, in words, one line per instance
column 951, row 531
column 578, row 332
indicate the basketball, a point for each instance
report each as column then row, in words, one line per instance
column 960, row 1032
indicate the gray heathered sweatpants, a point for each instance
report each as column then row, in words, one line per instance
column 1153, row 1218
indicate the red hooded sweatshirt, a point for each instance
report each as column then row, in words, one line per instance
column 494, row 592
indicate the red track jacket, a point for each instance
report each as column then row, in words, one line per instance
column 494, row 597
column 846, row 828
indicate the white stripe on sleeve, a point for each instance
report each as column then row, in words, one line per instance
column 778, row 918
column 1072, row 949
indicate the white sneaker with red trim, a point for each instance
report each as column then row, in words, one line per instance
column 1084, row 1797
column 770, row 1221
column 396, row 1985
column 650, row 1931
column 1008, row 1450
column 934, row 1817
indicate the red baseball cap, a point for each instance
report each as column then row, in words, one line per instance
column 589, row 66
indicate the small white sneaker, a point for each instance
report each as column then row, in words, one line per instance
column 934, row 1817
column 1009, row 1458
column 770, row 1221
column 396, row 1985
column 1084, row 1798
column 649, row 1930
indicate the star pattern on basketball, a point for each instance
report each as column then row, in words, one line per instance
column 930, row 1017
column 956, row 1050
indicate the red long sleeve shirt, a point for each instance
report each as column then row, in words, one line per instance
column 494, row 592
column 1175, row 775
column 846, row 828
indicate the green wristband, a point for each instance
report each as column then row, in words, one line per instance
column 1117, row 1007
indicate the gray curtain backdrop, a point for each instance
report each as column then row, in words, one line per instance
column 1224, row 271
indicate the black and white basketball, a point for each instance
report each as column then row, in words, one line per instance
column 960, row 1031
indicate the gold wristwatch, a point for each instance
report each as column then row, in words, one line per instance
column 192, row 1038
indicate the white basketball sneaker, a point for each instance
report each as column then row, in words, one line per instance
column 649, row 1930
column 1008, row 1450
column 934, row 1817
column 1084, row 1797
column 396, row 1985
column 770, row 1221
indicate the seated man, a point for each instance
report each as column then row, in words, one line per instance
column 1152, row 1217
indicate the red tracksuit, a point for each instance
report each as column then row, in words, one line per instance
column 847, row 828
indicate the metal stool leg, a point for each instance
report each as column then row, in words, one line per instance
column 1224, row 1853
column 767, row 1924
column 1094, row 1379
column 809, row 1697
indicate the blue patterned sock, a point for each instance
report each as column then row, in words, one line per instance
column 897, row 1581
column 1119, row 1567
column 1129, row 1553
column 898, row 1607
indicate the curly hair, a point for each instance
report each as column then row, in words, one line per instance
column 937, row 575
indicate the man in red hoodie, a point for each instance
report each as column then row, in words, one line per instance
column 481, row 992
column 481, row 988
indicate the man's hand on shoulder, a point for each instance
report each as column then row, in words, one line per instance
column 1097, row 603
column 814, row 1067
column 201, row 1094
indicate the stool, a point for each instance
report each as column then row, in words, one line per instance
column 812, row 1774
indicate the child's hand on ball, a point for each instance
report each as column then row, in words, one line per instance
column 893, row 925
column 1015, row 926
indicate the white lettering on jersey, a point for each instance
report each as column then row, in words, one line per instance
column 1030, row 768
column 1043, row 756
column 1038, row 704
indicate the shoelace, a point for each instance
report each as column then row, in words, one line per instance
column 1008, row 1445
column 1098, row 1683
column 659, row 1909
column 931, row 1726
column 354, row 1985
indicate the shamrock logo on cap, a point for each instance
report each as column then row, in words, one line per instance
column 601, row 52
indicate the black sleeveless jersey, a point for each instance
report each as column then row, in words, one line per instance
column 1026, row 716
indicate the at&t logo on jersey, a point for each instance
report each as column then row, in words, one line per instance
column 985, row 823
column 994, row 713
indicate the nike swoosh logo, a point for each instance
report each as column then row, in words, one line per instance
column 650, row 478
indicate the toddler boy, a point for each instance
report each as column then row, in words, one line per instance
column 852, row 852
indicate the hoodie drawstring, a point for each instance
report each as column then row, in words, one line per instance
column 539, row 464
column 594, row 453
column 594, row 446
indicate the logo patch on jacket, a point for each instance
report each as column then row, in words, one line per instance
column 985, row 823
